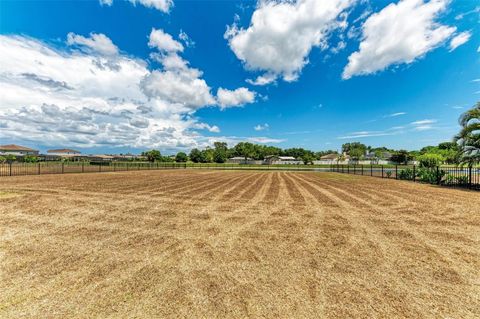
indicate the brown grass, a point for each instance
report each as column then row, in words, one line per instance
column 213, row 244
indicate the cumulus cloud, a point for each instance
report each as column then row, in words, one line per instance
column 459, row 40
column 281, row 35
column 80, row 98
column 164, row 42
column 96, row 42
column 161, row 5
column 261, row 127
column 233, row 98
column 400, row 33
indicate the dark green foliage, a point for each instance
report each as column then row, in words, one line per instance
column 153, row 155
column 181, row 157
column 406, row 174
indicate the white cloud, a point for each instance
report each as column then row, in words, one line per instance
column 395, row 114
column 182, row 87
column 459, row 39
column 81, row 99
column 365, row 134
column 423, row 125
column 261, row 127
column 106, row 2
column 161, row 5
column 281, row 35
column 163, row 42
column 186, row 39
column 265, row 140
column 228, row 98
column 424, row 122
column 97, row 42
column 399, row 33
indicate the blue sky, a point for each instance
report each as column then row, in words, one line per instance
column 117, row 76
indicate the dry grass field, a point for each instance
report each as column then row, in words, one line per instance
column 230, row 244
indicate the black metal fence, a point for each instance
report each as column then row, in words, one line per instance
column 452, row 176
column 464, row 177
column 17, row 169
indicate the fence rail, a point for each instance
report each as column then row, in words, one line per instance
column 464, row 177
column 451, row 176
column 18, row 169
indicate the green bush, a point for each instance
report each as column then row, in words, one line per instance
column 430, row 160
column 430, row 175
column 406, row 174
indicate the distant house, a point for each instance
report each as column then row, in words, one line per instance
column 239, row 160
column 327, row 159
column 63, row 151
column 279, row 160
column 17, row 150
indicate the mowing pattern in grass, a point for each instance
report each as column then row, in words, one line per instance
column 209, row 244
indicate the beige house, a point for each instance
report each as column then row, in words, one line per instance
column 280, row 160
column 17, row 150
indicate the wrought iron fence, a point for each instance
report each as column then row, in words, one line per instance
column 17, row 169
column 452, row 176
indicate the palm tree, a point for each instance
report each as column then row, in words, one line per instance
column 469, row 137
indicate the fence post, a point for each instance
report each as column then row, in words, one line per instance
column 414, row 174
column 10, row 168
column 38, row 168
column 63, row 167
column 114, row 167
column 382, row 171
column 362, row 170
column 470, row 185
column 371, row 169
column 396, row 171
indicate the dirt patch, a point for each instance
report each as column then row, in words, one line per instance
column 231, row 244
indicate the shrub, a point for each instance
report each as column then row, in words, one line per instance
column 389, row 174
column 430, row 160
column 406, row 174
column 430, row 175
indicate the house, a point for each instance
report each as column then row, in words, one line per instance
column 63, row 151
column 327, row 159
column 17, row 150
column 280, row 160
column 239, row 160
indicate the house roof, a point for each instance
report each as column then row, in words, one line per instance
column 287, row 158
column 329, row 156
column 13, row 147
column 239, row 158
column 63, row 150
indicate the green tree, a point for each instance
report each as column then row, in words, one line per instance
column 153, row 155
column 10, row 158
column 308, row 158
column 208, row 155
column 355, row 150
column 2, row 159
column 30, row 159
column 196, row 156
column 220, row 152
column 468, row 138
column 401, row 157
column 245, row 149
column 181, row 157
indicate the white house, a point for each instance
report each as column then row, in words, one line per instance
column 17, row 150
column 280, row 160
